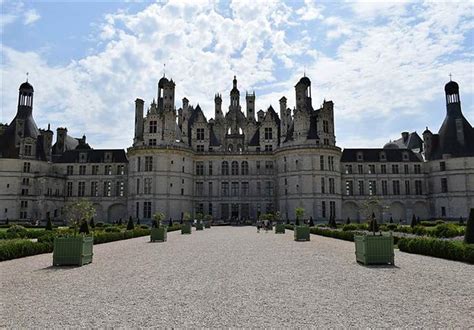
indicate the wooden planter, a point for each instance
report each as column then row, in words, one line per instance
column 301, row 233
column 199, row 226
column 374, row 250
column 72, row 250
column 159, row 234
column 279, row 228
column 186, row 228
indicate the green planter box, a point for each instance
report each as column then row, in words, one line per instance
column 186, row 228
column 72, row 250
column 374, row 250
column 207, row 225
column 301, row 233
column 280, row 228
column 159, row 234
column 199, row 226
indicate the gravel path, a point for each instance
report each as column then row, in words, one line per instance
column 234, row 277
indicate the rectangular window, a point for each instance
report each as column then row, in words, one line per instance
column 119, row 188
column 138, row 186
column 406, row 170
column 268, row 147
column 418, row 187
column 417, row 169
column 225, row 211
column 269, row 167
column 24, row 204
column 153, row 126
column 325, row 126
column 137, row 209
column 200, row 134
column 152, row 142
column 82, row 169
column 407, row 187
column 384, row 187
column 199, row 168
column 395, row 169
column 210, row 209
column 349, row 188
column 326, row 142
column 28, row 150
column 200, row 148
column 372, row 187
column 442, row 166
column 108, row 169
column 257, row 166
column 199, row 188
column 95, row 169
column 383, row 169
column 81, row 189
column 331, row 163
column 269, row 188
column 235, row 189
column 245, row 210
column 147, row 184
column 120, row 169
column 323, row 209
column 225, row 189
column 245, row 188
column 331, row 186
column 259, row 188
column 321, row 163
column 268, row 133
column 444, row 185
column 139, row 164
column 24, row 192
column 147, row 210
column 107, row 188
column 211, row 192
column 443, row 211
column 360, row 169
column 148, row 163
column 70, row 170
column 361, row 187
column 210, row 168
column 94, row 189
column 69, row 189
column 323, row 186
column 332, row 209
column 371, row 169
column 396, row 187
column 348, row 169
column 26, row 181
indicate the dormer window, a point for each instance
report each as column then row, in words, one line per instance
column 28, row 149
column 82, row 157
column 200, row 134
column 360, row 156
column 405, row 156
column 108, row 157
column 268, row 133
column 382, row 156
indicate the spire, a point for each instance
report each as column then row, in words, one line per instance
column 27, row 76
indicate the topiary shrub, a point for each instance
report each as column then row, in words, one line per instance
column 92, row 223
column 461, row 221
column 130, row 225
column 170, row 223
column 349, row 227
column 84, row 229
column 447, row 230
column 138, row 221
column 17, row 231
column 391, row 220
column 99, row 224
column 348, row 221
column 392, row 226
column 311, row 222
column 469, row 233
column 49, row 224
column 413, row 221
column 112, row 230
column 419, row 230
column 119, row 222
column 439, row 222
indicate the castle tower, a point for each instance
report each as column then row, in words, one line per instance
column 234, row 95
column 250, row 98
column 138, row 120
column 303, row 94
column 283, row 118
column 218, row 107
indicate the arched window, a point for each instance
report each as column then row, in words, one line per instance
column 230, row 147
column 235, row 168
column 239, row 148
column 225, row 168
column 245, row 167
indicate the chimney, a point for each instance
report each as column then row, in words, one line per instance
column 405, row 137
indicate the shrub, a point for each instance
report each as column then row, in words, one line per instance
column 112, row 229
column 419, row 230
column 446, row 249
column 461, row 221
column 92, row 223
column 17, row 248
column 391, row 220
column 439, row 222
column 348, row 221
column 332, row 222
column 48, row 237
column 17, row 231
column 119, row 222
column 138, row 221
column 34, row 233
column 428, row 223
column 130, row 224
column 349, row 227
column 84, row 229
column 311, row 222
column 392, row 226
column 469, row 231
column 49, row 224
column 344, row 235
column 447, row 230
column 170, row 223
column 99, row 224
column 413, row 221
column 143, row 227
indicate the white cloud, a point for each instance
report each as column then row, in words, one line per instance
column 31, row 16
column 310, row 11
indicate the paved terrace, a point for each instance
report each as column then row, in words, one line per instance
column 230, row 276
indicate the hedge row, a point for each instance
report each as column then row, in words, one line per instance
column 18, row 248
column 446, row 249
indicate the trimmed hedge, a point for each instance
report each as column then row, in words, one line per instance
column 344, row 235
column 18, row 248
column 446, row 249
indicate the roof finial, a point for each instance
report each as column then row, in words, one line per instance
column 164, row 69
column 27, row 76
column 304, row 71
column 450, row 76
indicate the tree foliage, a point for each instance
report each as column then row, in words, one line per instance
column 78, row 212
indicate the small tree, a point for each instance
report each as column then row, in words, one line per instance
column 138, row 221
column 130, row 225
column 208, row 218
column 332, row 222
column 157, row 218
column 84, row 229
column 186, row 217
column 373, row 225
column 413, row 221
column 92, row 223
column 49, row 224
column 469, row 234
column 277, row 217
column 199, row 217
column 299, row 211
column 311, row 222
column 119, row 222
column 78, row 212
column 348, row 221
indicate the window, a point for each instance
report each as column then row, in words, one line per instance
column 210, row 168
column 25, row 181
column 120, row 169
column 361, row 187
column 332, row 209
column 107, row 188
column 82, row 170
column 259, row 188
column 407, row 187
column 200, row 148
column 395, row 169
column 69, row 189
column 349, row 188
column 108, row 169
column 95, row 169
column 225, row 211
column 323, row 209
column 331, row 163
column 137, row 209
column 147, row 184
column 417, row 169
column 199, row 168
column 200, row 134
column 24, row 204
column 444, row 185
column 325, row 126
column 269, row 167
column 245, row 188
column 372, row 187
column 235, row 189
column 26, row 167
column 147, row 210
column 268, row 147
column 348, row 169
column 70, row 170
column 396, row 187
column 211, row 192
column 235, row 168
column 257, row 165
column 383, row 169
column 119, row 188
column 152, row 142
column 323, row 186
column 27, row 150
column 418, row 187
column 360, row 169
column 153, row 126
column 321, row 163
column 138, row 186
column 148, row 163
column 245, row 167
column 443, row 211
column 210, row 208
column 139, row 164
column 371, row 169
column 405, row 156
column 225, row 168
column 331, row 186
column 81, row 189
column 384, row 187
column 405, row 169
column 382, row 156
column 199, row 188
column 326, row 142
column 24, row 192
column 94, row 189
column 359, row 156
column 268, row 133
column 225, row 189
column 442, row 166
column 23, row 214
column 269, row 188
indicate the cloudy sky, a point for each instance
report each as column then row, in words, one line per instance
column 383, row 64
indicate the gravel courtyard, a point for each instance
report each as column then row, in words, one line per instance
column 234, row 277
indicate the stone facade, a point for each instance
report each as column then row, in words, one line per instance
column 236, row 165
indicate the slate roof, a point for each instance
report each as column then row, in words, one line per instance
column 255, row 140
column 93, row 156
column 373, row 155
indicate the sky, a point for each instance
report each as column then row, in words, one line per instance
column 383, row 64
